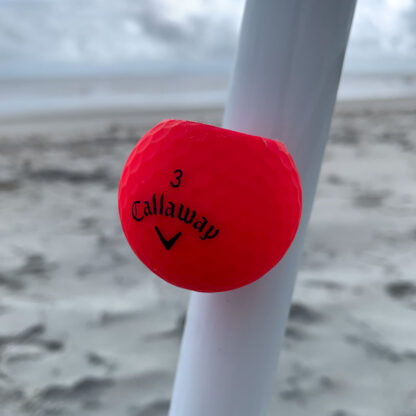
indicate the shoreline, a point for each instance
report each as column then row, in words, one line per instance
column 141, row 118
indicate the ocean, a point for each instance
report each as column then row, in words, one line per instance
column 48, row 95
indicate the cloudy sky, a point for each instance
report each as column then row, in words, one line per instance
column 106, row 32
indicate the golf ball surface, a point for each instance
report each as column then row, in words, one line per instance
column 206, row 208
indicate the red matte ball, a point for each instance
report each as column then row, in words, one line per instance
column 206, row 208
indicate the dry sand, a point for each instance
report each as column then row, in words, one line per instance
column 85, row 329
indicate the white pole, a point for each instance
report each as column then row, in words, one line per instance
column 284, row 86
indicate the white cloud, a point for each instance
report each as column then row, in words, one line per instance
column 110, row 31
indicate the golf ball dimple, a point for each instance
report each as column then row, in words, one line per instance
column 209, row 209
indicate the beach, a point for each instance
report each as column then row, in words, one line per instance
column 86, row 329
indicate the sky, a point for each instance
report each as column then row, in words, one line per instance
column 168, row 32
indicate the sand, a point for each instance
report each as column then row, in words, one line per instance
column 85, row 329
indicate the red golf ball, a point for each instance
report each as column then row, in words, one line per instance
column 206, row 208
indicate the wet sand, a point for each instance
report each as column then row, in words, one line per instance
column 85, row 329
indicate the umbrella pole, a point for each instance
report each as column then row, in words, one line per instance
column 284, row 86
